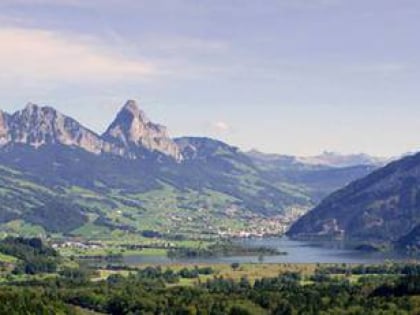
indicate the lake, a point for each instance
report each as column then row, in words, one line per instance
column 298, row 252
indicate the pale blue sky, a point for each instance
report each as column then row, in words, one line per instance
column 285, row 76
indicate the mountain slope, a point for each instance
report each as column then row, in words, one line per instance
column 384, row 206
column 234, row 173
column 23, row 200
column 412, row 239
column 120, row 193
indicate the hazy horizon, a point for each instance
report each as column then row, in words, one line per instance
column 288, row 77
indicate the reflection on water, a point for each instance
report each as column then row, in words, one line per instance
column 298, row 252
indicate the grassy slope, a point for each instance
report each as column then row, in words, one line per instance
column 222, row 190
column 166, row 210
column 7, row 259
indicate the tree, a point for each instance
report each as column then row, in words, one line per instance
column 239, row 310
column 235, row 266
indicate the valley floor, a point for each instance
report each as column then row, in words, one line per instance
column 36, row 279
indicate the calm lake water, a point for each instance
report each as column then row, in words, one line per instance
column 298, row 252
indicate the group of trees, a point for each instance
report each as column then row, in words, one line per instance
column 147, row 292
column 170, row 276
column 18, row 301
column 224, row 248
column 34, row 256
column 382, row 269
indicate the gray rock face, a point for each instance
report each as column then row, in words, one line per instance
column 4, row 129
column 37, row 126
column 132, row 129
column 130, row 135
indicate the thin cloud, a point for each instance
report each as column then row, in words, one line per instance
column 45, row 55
column 221, row 127
column 385, row 69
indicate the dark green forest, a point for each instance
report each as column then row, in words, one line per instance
column 149, row 293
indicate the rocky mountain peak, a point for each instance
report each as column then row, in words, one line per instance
column 130, row 125
column 31, row 107
column 35, row 117
column 37, row 114
column 132, row 108
column 131, row 134
column 37, row 126
column 132, row 130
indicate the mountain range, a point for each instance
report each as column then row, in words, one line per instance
column 317, row 179
column 326, row 158
column 58, row 176
column 130, row 135
column 382, row 207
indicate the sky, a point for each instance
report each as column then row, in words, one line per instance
column 281, row 76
